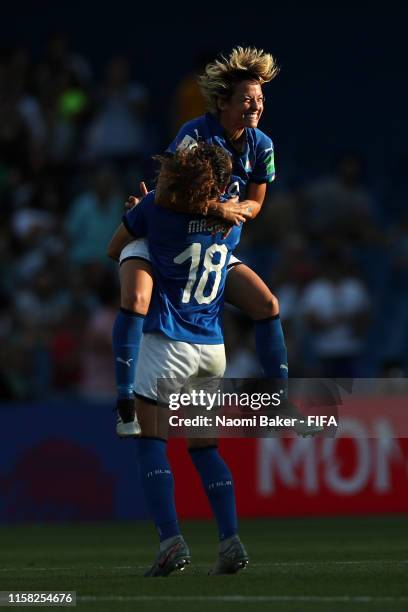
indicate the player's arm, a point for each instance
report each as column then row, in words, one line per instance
column 134, row 225
column 233, row 211
column 135, row 200
column 263, row 174
column 119, row 240
column 255, row 197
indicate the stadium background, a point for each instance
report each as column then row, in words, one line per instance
column 86, row 98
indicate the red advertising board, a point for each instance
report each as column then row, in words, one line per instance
column 354, row 474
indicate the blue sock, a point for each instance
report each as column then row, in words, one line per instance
column 217, row 482
column 271, row 348
column 158, row 485
column 126, row 336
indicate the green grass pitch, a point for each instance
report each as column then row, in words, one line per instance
column 296, row 565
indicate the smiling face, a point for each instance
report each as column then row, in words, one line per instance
column 243, row 109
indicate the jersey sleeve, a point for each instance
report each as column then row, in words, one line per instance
column 187, row 137
column 264, row 170
column 136, row 219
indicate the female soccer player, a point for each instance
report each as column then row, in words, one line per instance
column 183, row 338
column 232, row 88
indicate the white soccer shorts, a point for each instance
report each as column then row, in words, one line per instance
column 161, row 357
column 233, row 261
column 139, row 249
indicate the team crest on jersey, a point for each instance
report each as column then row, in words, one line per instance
column 248, row 166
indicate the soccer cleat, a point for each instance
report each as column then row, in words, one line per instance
column 232, row 559
column 175, row 557
column 127, row 425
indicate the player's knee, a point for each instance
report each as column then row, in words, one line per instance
column 268, row 307
column 135, row 299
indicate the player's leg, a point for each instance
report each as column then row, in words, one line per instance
column 217, row 482
column 158, row 487
column 218, row 485
column 247, row 291
column 159, row 358
column 216, row 477
column 136, row 283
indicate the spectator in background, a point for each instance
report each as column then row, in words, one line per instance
column 336, row 311
column 239, row 340
column 22, row 128
column 20, row 81
column 395, row 346
column 61, row 82
column 59, row 58
column 15, row 137
column 35, row 226
column 44, row 297
column 66, row 350
column 279, row 221
column 66, row 110
column 97, row 375
column 339, row 203
column 52, row 241
column 294, row 270
column 118, row 127
column 93, row 217
column 40, row 303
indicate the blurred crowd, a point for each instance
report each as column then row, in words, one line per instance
column 73, row 147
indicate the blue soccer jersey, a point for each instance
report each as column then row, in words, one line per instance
column 256, row 162
column 189, row 267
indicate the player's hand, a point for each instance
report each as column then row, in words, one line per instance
column 234, row 213
column 133, row 200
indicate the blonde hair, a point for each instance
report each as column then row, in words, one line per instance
column 221, row 76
